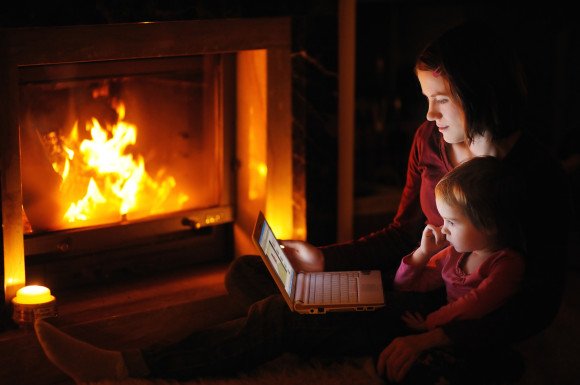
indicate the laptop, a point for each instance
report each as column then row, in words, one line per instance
column 317, row 292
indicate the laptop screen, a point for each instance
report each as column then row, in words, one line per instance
column 278, row 259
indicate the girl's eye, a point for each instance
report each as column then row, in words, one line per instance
column 449, row 223
column 441, row 101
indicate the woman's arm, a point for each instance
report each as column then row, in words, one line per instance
column 398, row 357
column 384, row 249
column 546, row 219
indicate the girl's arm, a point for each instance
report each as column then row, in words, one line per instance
column 503, row 281
column 421, row 270
column 432, row 241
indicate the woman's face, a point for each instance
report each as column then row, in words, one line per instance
column 443, row 109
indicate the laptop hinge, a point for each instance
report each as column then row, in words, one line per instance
column 301, row 288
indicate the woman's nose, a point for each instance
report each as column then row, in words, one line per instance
column 432, row 113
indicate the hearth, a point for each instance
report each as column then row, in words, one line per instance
column 143, row 147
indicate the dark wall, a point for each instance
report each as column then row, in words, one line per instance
column 388, row 102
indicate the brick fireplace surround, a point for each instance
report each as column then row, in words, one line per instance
column 137, row 311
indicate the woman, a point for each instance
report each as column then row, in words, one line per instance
column 476, row 97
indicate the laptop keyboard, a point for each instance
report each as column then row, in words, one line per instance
column 333, row 288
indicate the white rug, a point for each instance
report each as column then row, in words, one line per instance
column 286, row 370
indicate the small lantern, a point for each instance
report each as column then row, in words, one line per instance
column 32, row 303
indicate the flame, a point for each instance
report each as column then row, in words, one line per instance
column 113, row 179
column 82, row 209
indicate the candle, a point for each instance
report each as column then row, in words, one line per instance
column 33, row 295
column 31, row 303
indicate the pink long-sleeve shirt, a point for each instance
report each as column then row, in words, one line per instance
column 469, row 296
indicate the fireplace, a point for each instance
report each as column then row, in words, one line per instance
column 121, row 142
column 143, row 147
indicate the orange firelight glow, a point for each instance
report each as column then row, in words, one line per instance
column 104, row 179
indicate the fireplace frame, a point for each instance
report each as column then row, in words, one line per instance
column 248, row 38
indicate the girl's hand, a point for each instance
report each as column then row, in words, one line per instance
column 432, row 241
column 414, row 321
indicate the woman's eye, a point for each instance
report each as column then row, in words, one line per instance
column 441, row 101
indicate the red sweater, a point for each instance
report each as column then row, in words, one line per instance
column 546, row 224
column 384, row 249
column 469, row 296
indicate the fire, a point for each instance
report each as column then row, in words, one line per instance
column 105, row 180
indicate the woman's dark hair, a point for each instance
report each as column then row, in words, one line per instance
column 484, row 75
column 489, row 193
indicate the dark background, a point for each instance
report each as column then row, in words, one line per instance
column 389, row 105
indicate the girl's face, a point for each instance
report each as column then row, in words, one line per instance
column 460, row 231
column 443, row 109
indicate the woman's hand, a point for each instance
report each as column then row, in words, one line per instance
column 397, row 358
column 303, row 256
column 414, row 321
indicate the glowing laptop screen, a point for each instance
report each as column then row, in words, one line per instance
column 278, row 259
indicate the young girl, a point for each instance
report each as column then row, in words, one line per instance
column 480, row 265
column 480, row 268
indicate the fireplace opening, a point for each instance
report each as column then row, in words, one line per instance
column 114, row 143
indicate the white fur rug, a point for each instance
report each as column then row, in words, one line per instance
column 286, row 370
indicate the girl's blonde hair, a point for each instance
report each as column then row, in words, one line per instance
column 488, row 194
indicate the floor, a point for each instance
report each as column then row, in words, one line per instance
column 553, row 357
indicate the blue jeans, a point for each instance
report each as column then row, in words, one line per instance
column 270, row 329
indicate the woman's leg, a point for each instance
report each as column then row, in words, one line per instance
column 248, row 281
column 269, row 330
column 81, row 361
